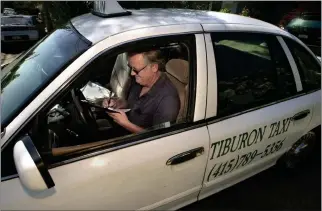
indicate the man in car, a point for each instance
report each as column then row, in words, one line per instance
column 153, row 99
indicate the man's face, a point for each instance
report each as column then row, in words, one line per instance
column 142, row 71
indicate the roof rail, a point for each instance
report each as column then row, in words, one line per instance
column 108, row 9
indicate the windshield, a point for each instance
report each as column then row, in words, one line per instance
column 16, row 21
column 29, row 73
column 305, row 21
column 311, row 17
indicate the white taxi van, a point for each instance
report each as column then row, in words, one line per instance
column 250, row 96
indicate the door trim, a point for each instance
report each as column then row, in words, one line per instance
column 186, row 194
column 212, row 96
column 215, row 119
column 201, row 88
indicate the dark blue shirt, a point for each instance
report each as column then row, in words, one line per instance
column 159, row 105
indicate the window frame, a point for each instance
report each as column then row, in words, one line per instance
column 214, row 118
column 296, row 62
column 109, row 42
column 127, row 141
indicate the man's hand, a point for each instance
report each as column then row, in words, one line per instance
column 114, row 103
column 121, row 119
column 109, row 103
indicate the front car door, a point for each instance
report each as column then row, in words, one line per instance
column 254, row 93
column 133, row 174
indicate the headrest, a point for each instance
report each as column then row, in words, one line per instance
column 179, row 69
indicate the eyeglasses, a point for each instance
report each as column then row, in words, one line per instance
column 137, row 71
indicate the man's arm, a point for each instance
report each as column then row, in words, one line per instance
column 132, row 127
column 121, row 119
column 167, row 111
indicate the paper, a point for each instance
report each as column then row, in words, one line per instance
column 93, row 92
column 119, row 109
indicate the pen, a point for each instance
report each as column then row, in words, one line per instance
column 108, row 102
column 109, row 99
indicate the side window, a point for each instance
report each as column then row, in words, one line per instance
column 252, row 70
column 76, row 123
column 309, row 68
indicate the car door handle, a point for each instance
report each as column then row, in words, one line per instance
column 185, row 156
column 300, row 115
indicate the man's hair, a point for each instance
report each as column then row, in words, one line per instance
column 152, row 56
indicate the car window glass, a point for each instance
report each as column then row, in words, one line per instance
column 34, row 69
column 309, row 68
column 252, row 70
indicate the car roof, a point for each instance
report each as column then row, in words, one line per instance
column 95, row 28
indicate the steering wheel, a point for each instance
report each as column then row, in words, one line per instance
column 84, row 110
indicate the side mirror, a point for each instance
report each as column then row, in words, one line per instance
column 31, row 169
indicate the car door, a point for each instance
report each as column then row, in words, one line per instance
column 147, row 172
column 255, row 106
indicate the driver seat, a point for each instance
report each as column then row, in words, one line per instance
column 120, row 82
column 120, row 78
column 177, row 71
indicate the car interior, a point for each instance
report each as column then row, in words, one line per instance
column 75, row 120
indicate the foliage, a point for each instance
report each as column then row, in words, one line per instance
column 198, row 5
column 56, row 13
column 245, row 12
column 225, row 10
column 62, row 11
column 22, row 7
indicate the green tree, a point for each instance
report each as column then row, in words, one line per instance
column 245, row 12
column 225, row 10
column 47, row 16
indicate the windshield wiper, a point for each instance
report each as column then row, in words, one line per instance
column 32, row 56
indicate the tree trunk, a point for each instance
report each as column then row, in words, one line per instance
column 48, row 21
column 210, row 6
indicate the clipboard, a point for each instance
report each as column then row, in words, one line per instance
column 110, row 109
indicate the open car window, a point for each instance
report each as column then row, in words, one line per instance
column 76, row 122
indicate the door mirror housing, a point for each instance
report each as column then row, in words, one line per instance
column 32, row 172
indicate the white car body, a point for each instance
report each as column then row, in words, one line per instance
column 18, row 32
column 135, row 176
column 8, row 11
